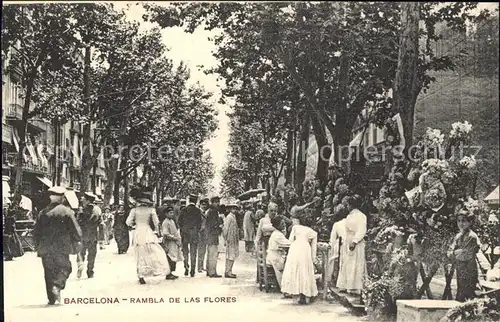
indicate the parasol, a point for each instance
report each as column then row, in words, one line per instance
column 250, row 193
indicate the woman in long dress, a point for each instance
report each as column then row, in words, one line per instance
column 275, row 255
column 298, row 275
column 353, row 265
column 150, row 255
column 337, row 236
column 120, row 231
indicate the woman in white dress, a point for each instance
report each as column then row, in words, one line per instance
column 150, row 255
column 298, row 275
column 353, row 265
column 337, row 236
column 275, row 255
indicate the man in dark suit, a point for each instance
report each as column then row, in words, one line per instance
column 202, row 244
column 89, row 219
column 213, row 228
column 56, row 235
column 190, row 221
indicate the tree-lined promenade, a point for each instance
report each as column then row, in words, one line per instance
column 87, row 63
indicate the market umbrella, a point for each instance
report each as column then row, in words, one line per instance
column 250, row 193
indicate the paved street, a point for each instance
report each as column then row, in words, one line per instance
column 115, row 278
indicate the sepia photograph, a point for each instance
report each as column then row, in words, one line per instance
column 245, row 161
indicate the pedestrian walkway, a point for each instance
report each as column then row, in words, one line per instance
column 115, row 278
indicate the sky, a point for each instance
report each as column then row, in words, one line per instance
column 194, row 50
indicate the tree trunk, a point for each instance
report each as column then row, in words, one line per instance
column 94, row 177
column 111, row 167
column 22, row 135
column 405, row 85
column 126, row 192
column 289, row 157
column 302, row 155
column 342, row 133
column 87, row 163
column 116, row 191
column 324, row 151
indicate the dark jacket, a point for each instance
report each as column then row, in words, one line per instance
column 90, row 219
column 56, row 231
column 213, row 227
column 190, row 223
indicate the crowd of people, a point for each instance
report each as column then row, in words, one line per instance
column 193, row 233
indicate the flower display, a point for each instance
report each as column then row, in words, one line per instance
column 387, row 234
column 433, row 138
column 468, row 162
column 435, row 165
column 460, row 130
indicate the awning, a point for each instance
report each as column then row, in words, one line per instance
column 15, row 138
column 357, row 140
column 5, row 191
column 45, row 181
column 31, row 151
column 76, row 155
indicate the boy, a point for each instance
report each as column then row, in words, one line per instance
column 171, row 241
column 463, row 252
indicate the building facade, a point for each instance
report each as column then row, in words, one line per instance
column 53, row 151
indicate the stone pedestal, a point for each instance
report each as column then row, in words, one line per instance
column 423, row 310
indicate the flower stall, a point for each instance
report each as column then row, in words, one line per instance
column 416, row 220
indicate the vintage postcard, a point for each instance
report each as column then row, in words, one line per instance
column 250, row 161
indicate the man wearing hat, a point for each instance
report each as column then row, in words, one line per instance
column 190, row 225
column 90, row 218
column 202, row 244
column 213, row 228
column 56, row 235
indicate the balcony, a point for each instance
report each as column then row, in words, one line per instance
column 14, row 115
column 14, row 112
column 28, row 166
column 6, row 134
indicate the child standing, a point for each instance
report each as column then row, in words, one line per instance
column 171, row 241
column 463, row 252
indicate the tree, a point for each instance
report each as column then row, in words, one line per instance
column 43, row 45
column 310, row 47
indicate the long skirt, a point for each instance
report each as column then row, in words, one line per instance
column 151, row 260
column 12, row 246
column 298, row 275
column 122, row 237
column 352, row 268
